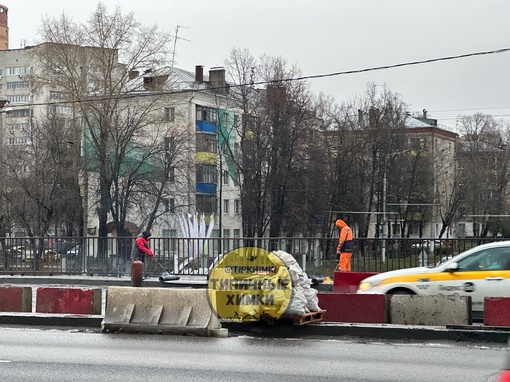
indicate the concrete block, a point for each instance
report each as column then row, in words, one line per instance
column 429, row 310
column 496, row 311
column 160, row 310
column 15, row 299
column 68, row 300
column 358, row 308
column 347, row 282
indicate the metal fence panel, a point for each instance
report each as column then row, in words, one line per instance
column 195, row 256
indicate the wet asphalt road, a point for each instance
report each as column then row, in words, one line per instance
column 75, row 355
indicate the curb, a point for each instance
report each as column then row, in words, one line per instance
column 68, row 320
column 37, row 281
column 323, row 329
column 375, row 331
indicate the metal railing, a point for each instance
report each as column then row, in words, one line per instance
column 195, row 256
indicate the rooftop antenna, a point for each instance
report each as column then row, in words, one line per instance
column 176, row 37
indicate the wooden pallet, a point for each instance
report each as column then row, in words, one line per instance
column 296, row 319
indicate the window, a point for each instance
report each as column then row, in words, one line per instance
column 171, row 175
column 24, row 126
column 18, row 113
column 18, row 85
column 206, row 204
column 226, row 176
column 169, row 205
column 237, row 206
column 18, row 99
column 169, row 144
column 56, row 95
column 169, row 114
column 207, row 114
column 64, row 110
column 170, row 149
column 490, row 259
column 226, row 242
column 59, row 110
column 226, row 204
column 17, row 141
column 207, row 143
column 237, row 236
column 416, row 143
column 206, row 173
column 16, row 71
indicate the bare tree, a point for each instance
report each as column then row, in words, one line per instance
column 42, row 190
column 484, row 162
column 276, row 121
column 367, row 133
column 92, row 64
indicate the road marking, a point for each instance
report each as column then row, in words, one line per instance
column 4, row 361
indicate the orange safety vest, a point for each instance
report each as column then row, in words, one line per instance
column 345, row 243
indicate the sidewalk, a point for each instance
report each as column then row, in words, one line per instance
column 471, row 333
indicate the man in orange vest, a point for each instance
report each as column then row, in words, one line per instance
column 345, row 246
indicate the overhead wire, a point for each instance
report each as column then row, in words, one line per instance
column 268, row 82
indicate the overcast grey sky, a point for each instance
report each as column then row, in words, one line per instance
column 329, row 36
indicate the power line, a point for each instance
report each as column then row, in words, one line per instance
column 497, row 51
column 268, row 82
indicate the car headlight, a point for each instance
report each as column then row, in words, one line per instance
column 366, row 285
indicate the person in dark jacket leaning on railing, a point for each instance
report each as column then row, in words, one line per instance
column 141, row 247
column 345, row 246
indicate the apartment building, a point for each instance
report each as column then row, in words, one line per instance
column 191, row 102
column 401, row 172
column 208, row 185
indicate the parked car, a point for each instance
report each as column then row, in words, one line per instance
column 482, row 271
column 426, row 244
column 75, row 251
column 20, row 253
column 49, row 256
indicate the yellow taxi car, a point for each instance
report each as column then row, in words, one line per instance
column 482, row 271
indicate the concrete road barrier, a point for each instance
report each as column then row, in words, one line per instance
column 359, row 308
column 160, row 310
column 15, row 299
column 68, row 300
column 429, row 310
column 496, row 311
column 347, row 282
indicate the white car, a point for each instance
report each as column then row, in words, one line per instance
column 426, row 244
column 482, row 271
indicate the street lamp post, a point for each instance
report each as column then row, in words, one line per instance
column 3, row 109
column 383, row 230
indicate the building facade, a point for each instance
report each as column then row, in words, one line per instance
column 195, row 107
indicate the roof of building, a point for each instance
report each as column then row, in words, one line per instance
column 413, row 122
column 177, row 79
